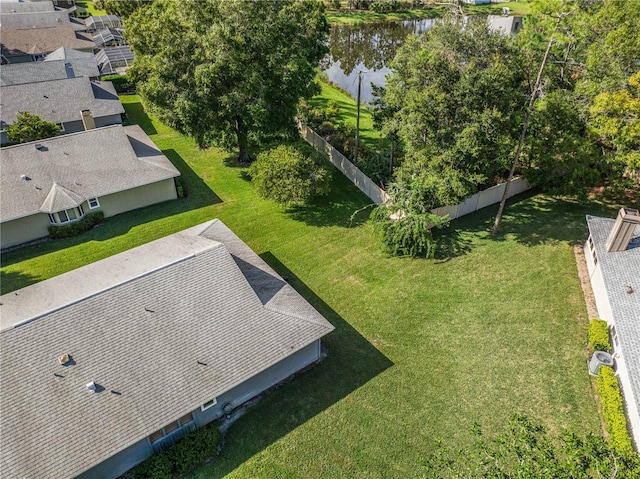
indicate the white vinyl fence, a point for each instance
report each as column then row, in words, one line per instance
column 483, row 198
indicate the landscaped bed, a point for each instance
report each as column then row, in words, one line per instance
column 422, row 349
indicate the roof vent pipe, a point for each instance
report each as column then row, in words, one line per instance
column 92, row 386
column 623, row 230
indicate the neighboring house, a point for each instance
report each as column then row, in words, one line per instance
column 61, row 102
column 508, row 25
column 32, row 72
column 64, row 53
column 613, row 260
column 114, row 60
column 26, row 7
column 33, row 44
column 476, row 2
column 20, row 21
column 106, row 364
column 59, row 180
column 95, row 23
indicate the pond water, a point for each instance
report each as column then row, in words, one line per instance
column 368, row 48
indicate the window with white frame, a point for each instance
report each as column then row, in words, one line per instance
column 209, row 404
column 93, row 203
column 66, row 216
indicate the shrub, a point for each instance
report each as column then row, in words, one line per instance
column 599, row 335
column 290, row 175
column 74, row 229
column 120, row 83
column 613, row 410
column 182, row 456
column 181, row 189
column 157, row 466
column 29, row 127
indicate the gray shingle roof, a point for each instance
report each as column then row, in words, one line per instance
column 32, row 72
column 200, row 305
column 36, row 41
column 87, row 164
column 619, row 270
column 26, row 7
column 34, row 19
column 59, row 101
column 64, row 53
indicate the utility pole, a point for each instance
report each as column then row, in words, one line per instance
column 355, row 155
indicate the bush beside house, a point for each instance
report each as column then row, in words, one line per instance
column 613, row 411
column 74, row 229
column 599, row 335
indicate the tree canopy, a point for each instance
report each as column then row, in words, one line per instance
column 30, row 127
column 457, row 95
column 290, row 175
column 227, row 71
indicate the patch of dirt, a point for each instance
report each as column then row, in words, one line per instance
column 583, row 274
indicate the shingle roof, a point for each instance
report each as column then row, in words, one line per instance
column 16, row 21
column 143, row 320
column 87, row 164
column 36, row 41
column 25, row 7
column 621, row 269
column 59, row 101
column 32, row 72
column 64, row 53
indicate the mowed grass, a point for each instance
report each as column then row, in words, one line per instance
column 495, row 325
column 348, row 113
column 91, row 8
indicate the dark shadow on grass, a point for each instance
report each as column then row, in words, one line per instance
column 16, row 279
column 530, row 218
column 350, row 363
column 135, row 114
column 344, row 206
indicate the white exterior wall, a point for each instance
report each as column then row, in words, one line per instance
column 604, row 312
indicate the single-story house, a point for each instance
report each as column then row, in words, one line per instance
column 114, row 59
column 59, row 180
column 612, row 253
column 61, row 102
column 21, row 21
column 33, row 44
column 64, row 53
column 106, row 364
column 32, row 72
column 26, row 7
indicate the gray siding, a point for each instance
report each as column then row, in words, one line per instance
column 121, row 462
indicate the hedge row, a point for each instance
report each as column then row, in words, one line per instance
column 599, row 335
column 613, row 409
column 120, row 83
column 77, row 227
column 181, row 457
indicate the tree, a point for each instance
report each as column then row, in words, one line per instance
column 228, row 71
column 457, row 97
column 29, row 127
column 528, row 451
column 121, row 8
column 289, row 175
column 615, row 123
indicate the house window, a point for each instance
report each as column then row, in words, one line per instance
column 65, row 216
column 169, row 428
column 93, row 203
column 209, row 404
column 593, row 251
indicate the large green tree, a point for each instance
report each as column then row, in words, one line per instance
column 458, row 95
column 122, row 8
column 30, row 127
column 227, row 71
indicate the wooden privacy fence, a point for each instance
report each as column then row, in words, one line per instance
column 483, row 198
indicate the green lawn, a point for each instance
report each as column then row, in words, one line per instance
column 422, row 348
column 88, row 4
column 354, row 17
column 347, row 106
